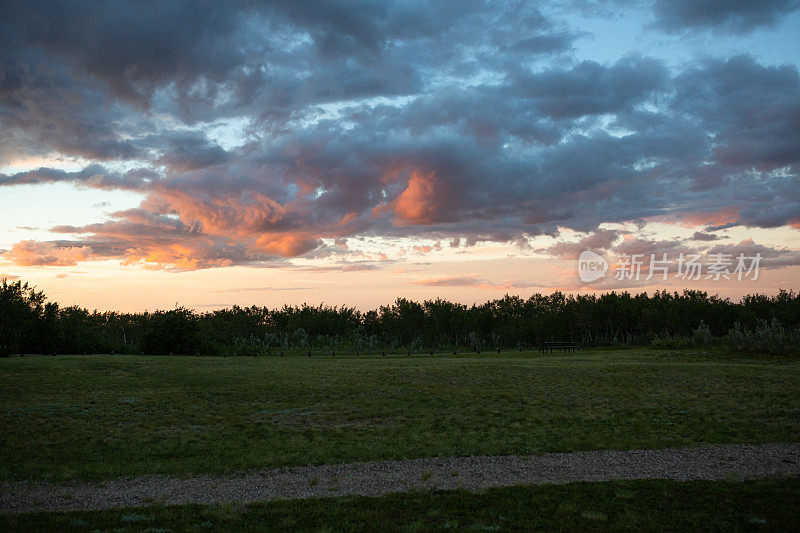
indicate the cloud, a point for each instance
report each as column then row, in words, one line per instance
column 264, row 289
column 545, row 43
column 706, row 237
column 191, row 151
column 590, row 88
column 160, row 240
column 133, row 47
column 751, row 109
column 345, row 266
column 737, row 16
column 467, row 121
column 597, row 241
column 94, row 176
column 772, row 257
column 422, row 200
column 287, row 245
column 34, row 253
column 475, row 281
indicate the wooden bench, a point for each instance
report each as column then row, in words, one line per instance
column 568, row 346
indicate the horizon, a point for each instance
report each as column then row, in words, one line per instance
column 363, row 310
column 212, row 155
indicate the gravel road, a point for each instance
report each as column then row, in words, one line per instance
column 720, row 462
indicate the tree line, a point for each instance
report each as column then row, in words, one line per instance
column 31, row 324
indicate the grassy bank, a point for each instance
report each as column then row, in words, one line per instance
column 95, row 417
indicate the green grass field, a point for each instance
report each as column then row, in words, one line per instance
column 633, row 505
column 97, row 417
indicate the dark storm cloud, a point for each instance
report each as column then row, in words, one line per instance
column 190, row 151
column 391, row 119
column 737, row 16
column 589, row 88
column 545, row 44
column 94, row 176
column 45, row 108
column 76, row 75
column 752, row 109
column 134, row 46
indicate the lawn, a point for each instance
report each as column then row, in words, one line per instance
column 631, row 505
column 98, row 417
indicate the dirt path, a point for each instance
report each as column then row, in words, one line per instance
column 724, row 462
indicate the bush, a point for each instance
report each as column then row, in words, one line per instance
column 666, row 342
column 767, row 337
column 702, row 336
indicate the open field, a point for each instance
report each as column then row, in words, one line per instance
column 102, row 417
column 617, row 505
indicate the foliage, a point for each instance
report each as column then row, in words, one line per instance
column 171, row 332
column 668, row 320
column 767, row 337
column 23, row 314
column 701, row 338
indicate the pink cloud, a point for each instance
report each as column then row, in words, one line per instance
column 475, row 281
column 36, row 253
column 599, row 240
column 421, row 200
column 287, row 245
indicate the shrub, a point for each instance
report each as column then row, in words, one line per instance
column 767, row 337
column 702, row 336
column 667, row 342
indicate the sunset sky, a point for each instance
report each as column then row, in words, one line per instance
column 210, row 154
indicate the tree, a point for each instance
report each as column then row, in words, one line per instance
column 21, row 309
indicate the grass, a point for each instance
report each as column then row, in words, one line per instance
column 631, row 505
column 100, row 417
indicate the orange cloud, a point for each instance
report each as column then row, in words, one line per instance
column 421, row 200
column 36, row 253
column 221, row 214
column 288, row 245
column 174, row 256
column 426, row 249
column 721, row 217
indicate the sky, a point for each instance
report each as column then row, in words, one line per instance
column 207, row 154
